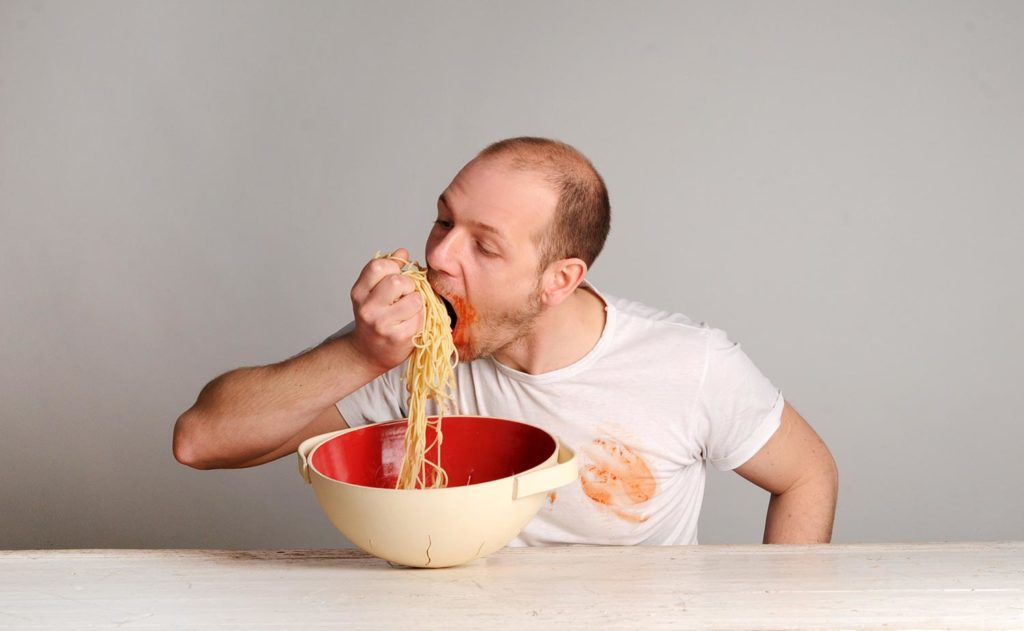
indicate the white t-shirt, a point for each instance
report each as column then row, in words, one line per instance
column 656, row 398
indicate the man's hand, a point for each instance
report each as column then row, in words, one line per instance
column 388, row 312
column 799, row 471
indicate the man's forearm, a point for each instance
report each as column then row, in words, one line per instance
column 249, row 412
column 804, row 513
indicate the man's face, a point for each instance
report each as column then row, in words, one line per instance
column 483, row 253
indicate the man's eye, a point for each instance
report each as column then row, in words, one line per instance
column 443, row 223
column 484, row 250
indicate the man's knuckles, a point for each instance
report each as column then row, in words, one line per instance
column 379, row 268
column 404, row 284
column 364, row 313
column 382, row 330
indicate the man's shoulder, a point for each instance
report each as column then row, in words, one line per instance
column 632, row 311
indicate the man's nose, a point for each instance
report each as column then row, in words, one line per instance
column 443, row 253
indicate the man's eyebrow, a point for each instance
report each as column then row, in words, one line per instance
column 476, row 224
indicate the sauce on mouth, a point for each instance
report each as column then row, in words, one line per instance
column 454, row 317
column 465, row 315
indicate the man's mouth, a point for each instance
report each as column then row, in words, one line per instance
column 451, row 311
column 453, row 315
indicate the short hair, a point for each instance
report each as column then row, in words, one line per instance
column 582, row 217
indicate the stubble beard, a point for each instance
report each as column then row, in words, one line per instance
column 510, row 328
column 492, row 332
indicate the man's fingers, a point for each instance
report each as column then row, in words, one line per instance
column 388, row 310
column 393, row 301
column 371, row 275
column 399, row 322
column 408, row 328
column 390, row 290
column 401, row 253
column 409, row 306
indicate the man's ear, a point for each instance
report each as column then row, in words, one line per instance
column 560, row 279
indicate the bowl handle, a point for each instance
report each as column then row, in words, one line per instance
column 548, row 478
column 307, row 446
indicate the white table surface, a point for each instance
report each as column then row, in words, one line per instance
column 962, row 586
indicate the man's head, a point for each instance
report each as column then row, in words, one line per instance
column 516, row 231
column 582, row 217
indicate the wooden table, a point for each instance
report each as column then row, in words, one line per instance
column 963, row 586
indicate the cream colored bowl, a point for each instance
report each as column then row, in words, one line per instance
column 499, row 472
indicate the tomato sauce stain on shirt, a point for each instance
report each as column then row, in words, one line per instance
column 618, row 478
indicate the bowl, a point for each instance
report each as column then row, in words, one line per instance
column 499, row 472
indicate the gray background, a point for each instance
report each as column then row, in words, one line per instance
column 189, row 187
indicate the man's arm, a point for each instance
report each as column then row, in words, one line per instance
column 252, row 415
column 798, row 470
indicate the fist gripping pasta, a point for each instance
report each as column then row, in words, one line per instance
column 429, row 374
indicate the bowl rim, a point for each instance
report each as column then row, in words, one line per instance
column 329, row 436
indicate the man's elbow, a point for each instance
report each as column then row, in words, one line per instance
column 830, row 475
column 830, row 472
column 820, row 480
column 185, row 445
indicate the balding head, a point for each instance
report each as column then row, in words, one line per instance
column 582, row 217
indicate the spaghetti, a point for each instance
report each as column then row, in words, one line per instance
column 429, row 374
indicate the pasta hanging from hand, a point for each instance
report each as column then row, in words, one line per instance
column 430, row 374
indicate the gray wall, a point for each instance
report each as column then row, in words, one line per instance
column 188, row 187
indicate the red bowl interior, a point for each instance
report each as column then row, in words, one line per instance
column 475, row 449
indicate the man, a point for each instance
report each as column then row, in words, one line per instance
column 645, row 397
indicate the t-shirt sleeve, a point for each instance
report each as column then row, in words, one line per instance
column 383, row 399
column 739, row 406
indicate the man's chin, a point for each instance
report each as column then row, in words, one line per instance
column 466, row 352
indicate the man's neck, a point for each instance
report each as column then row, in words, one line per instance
column 560, row 337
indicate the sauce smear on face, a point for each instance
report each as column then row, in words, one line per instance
column 466, row 316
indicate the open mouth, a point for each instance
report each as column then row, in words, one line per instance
column 451, row 311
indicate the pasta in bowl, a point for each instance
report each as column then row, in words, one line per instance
column 498, row 472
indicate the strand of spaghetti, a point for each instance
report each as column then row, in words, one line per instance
column 429, row 374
